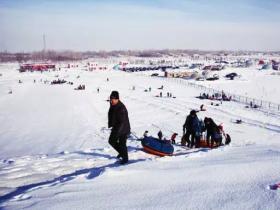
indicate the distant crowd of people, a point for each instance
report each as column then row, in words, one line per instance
column 81, row 87
column 217, row 96
column 58, row 81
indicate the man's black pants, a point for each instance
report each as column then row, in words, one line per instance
column 119, row 144
column 195, row 140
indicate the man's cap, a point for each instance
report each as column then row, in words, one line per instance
column 114, row 95
column 193, row 112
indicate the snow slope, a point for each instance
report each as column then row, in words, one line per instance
column 254, row 83
column 55, row 155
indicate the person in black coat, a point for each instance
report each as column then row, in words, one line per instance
column 192, row 128
column 213, row 131
column 187, row 130
column 119, row 122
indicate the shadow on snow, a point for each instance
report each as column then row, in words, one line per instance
column 93, row 173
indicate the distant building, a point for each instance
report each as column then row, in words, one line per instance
column 36, row 67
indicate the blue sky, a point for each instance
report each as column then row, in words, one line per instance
column 147, row 24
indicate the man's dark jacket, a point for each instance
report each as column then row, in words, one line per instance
column 118, row 119
column 188, row 123
column 192, row 124
column 211, row 127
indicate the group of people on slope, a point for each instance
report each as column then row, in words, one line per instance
column 58, row 81
column 193, row 129
column 80, row 87
column 216, row 96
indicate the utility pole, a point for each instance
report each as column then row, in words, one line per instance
column 44, row 46
column 44, row 42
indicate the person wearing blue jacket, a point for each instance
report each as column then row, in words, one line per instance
column 194, row 129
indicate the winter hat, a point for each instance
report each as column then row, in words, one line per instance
column 193, row 112
column 114, row 95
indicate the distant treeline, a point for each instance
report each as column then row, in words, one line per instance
column 57, row 56
column 40, row 56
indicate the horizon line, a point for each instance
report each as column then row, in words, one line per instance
column 139, row 50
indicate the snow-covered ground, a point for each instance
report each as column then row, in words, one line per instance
column 55, row 154
column 253, row 83
column 250, row 82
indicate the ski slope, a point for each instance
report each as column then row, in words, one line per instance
column 55, row 154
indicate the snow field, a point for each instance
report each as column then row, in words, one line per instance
column 55, row 154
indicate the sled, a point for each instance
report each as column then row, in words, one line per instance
column 203, row 144
column 157, row 147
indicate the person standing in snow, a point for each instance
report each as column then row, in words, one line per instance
column 193, row 128
column 202, row 108
column 196, row 129
column 213, row 131
column 173, row 137
column 187, row 132
column 119, row 122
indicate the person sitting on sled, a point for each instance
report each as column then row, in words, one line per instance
column 160, row 135
column 145, row 134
